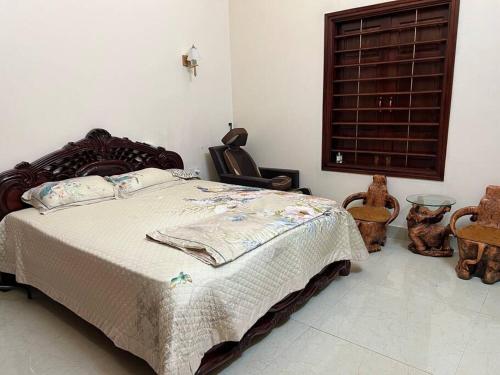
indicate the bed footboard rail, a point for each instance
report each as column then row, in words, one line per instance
column 226, row 352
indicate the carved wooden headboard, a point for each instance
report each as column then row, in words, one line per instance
column 97, row 154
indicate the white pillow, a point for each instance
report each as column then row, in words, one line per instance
column 128, row 183
column 56, row 195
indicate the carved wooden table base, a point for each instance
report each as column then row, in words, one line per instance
column 428, row 237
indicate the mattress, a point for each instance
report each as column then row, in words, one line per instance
column 97, row 261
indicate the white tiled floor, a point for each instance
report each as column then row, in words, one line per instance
column 397, row 313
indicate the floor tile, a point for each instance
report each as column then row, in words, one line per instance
column 410, row 328
column 13, row 295
column 319, row 353
column 482, row 354
column 263, row 353
column 42, row 337
column 491, row 305
column 425, row 276
column 318, row 307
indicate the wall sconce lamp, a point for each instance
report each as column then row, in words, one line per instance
column 191, row 59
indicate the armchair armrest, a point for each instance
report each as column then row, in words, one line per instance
column 471, row 210
column 393, row 203
column 353, row 197
column 274, row 172
column 246, row 180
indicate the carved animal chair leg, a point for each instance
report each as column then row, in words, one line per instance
column 374, row 234
column 492, row 265
column 478, row 259
column 383, row 241
column 470, row 254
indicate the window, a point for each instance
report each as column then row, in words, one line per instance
column 387, row 88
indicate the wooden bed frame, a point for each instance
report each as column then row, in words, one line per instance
column 101, row 154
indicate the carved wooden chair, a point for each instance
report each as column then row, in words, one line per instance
column 374, row 215
column 479, row 243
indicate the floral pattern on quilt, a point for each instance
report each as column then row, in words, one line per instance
column 149, row 178
column 70, row 189
column 225, row 197
column 127, row 182
column 182, row 278
column 242, row 220
column 57, row 194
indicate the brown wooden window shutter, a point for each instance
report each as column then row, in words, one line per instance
column 387, row 88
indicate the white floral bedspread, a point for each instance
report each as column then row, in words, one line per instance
column 158, row 302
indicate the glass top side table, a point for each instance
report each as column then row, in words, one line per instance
column 431, row 200
column 427, row 236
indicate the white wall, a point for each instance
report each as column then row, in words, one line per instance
column 67, row 66
column 277, row 71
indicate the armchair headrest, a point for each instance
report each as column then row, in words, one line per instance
column 379, row 179
column 236, row 137
column 488, row 213
column 493, row 192
column 377, row 192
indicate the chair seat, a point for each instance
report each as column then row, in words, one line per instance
column 480, row 233
column 370, row 213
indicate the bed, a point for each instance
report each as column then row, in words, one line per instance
column 97, row 261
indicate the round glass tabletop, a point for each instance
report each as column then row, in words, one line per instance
column 431, row 200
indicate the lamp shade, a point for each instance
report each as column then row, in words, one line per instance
column 193, row 54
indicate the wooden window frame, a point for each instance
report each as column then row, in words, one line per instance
column 331, row 21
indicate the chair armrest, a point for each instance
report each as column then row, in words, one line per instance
column 393, row 203
column 471, row 210
column 353, row 197
column 246, row 180
column 274, row 172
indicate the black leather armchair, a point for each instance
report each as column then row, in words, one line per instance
column 250, row 174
